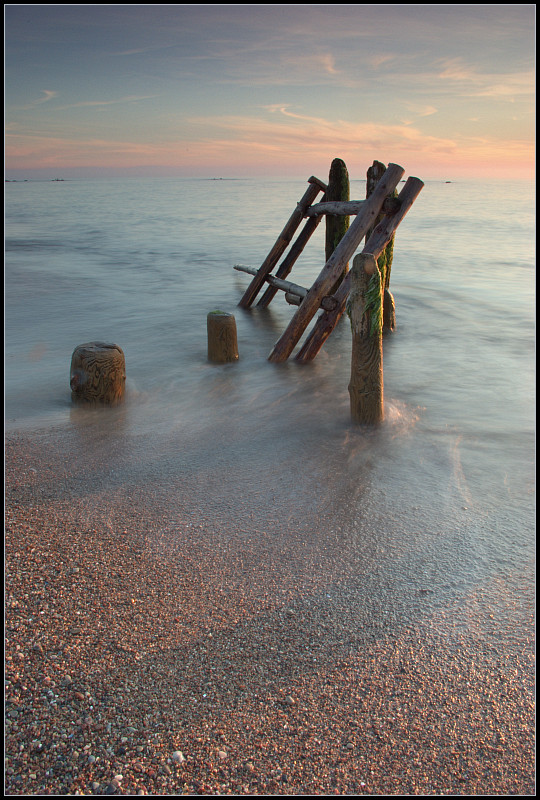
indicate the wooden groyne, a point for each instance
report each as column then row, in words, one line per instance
column 375, row 220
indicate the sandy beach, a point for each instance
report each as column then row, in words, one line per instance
column 219, row 661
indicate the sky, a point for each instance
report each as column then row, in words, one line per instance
column 217, row 90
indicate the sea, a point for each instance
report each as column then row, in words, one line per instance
column 438, row 500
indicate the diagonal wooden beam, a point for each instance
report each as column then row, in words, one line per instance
column 315, row 187
column 290, row 259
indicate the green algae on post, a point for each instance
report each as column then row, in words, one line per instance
column 364, row 307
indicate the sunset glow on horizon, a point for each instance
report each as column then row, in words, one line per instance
column 447, row 91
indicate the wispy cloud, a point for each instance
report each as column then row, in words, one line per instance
column 309, row 132
column 47, row 95
column 136, row 51
column 50, row 95
column 378, row 60
column 117, row 101
column 328, row 63
column 269, row 84
column 289, row 141
column 274, row 107
column 469, row 81
column 422, row 110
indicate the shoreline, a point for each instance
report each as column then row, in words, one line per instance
column 155, row 649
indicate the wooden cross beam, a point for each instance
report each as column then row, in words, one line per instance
column 294, row 289
column 346, row 208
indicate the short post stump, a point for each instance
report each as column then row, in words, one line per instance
column 98, row 374
column 222, row 337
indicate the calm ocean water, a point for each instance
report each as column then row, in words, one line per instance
column 448, row 479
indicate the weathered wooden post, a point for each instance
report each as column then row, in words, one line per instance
column 336, row 225
column 384, row 261
column 222, row 337
column 98, row 374
column 365, row 311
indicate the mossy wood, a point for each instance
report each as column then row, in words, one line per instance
column 366, row 386
column 384, row 261
column 376, row 243
column 335, row 264
column 338, row 190
column 222, row 337
column 389, row 311
column 284, row 239
column 337, row 225
column 98, row 374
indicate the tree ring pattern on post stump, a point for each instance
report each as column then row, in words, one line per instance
column 98, row 374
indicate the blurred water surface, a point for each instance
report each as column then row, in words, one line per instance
column 448, row 480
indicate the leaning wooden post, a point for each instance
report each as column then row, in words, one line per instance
column 284, row 239
column 337, row 226
column 222, row 337
column 365, row 312
column 290, row 259
column 97, row 374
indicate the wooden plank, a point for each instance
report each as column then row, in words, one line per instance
column 335, row 264
column 376, row 243
column 315, row 187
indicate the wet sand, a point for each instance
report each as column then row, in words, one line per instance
column 156, row 648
